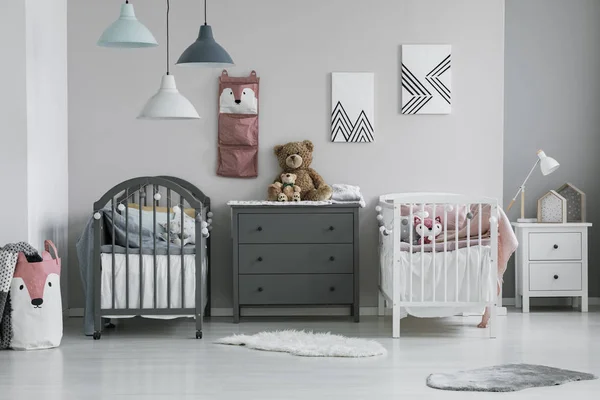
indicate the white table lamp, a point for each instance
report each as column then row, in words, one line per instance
column 547, row 165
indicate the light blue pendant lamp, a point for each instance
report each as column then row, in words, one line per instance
column 168, row 103
column 127, row 32
column 205, row 51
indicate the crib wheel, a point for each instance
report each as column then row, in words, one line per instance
column 198, row 334
column 97, row 335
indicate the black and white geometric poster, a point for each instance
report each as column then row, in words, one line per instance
column 426, row 79
column 352, row 107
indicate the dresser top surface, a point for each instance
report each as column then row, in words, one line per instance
column 290, row 205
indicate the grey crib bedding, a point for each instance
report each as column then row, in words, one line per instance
column 161, row 249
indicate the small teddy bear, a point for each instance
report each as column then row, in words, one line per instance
column 289, row 190
column 296, row 158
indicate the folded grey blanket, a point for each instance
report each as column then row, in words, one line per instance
column 8, row 262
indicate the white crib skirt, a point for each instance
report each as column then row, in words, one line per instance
column 148, row 283
column 464, row 276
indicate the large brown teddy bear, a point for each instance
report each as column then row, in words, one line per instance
column 295, row 157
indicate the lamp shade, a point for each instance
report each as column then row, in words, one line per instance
column 547, row 164
column 168, row 103
column 127, row 32
column 205, row 52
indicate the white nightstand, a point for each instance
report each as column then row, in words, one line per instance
column 551, row 261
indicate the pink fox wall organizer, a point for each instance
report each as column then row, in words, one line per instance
column 238, row 126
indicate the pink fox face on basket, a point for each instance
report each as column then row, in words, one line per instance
column 238, row 99
column 36, row 303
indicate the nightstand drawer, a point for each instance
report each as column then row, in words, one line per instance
column 555, row 246
column 296, row 289
column 296, row 258
column 296, row 228
column 554, row 277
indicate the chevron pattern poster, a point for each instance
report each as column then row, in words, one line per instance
column 426, row 79
column 352, row 107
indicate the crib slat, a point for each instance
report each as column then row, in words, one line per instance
column 411, row 218
column 456, row 253
column 479, row 252
column 467, row 265
column 141, row 253
column 145, row 195
column 199, row 296
column 127, row 248
column 182, row 259
column 112, row 207
column 433, row 249
column 154, row 203
column 422, row 255
column 168, row 248
column 445, row 252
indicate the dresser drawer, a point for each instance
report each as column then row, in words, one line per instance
column 555, row 246
column 295, row 228
column 296, row 258
column 549, row 277
column 296, row 289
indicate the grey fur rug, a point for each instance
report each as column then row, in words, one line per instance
column 505, row 378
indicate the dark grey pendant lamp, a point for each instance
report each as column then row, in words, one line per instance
column 205, row 51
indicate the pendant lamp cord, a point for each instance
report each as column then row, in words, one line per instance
column 168, row 10
column 204, row 12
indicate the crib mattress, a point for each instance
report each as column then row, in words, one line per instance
column 469, row 267
column 189, row 270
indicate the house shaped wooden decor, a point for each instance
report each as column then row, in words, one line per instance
column 552, row 208
column 575, row 202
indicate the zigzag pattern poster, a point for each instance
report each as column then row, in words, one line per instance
column 352, row 107
column 426, row 79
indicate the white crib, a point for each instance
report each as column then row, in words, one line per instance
column 457, row 273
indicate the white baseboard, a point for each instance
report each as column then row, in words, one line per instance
column 286, row 311
column 549, row 301
column 271, row 311
column 76, row 312
column 345, row 311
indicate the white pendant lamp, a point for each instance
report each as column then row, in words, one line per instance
column 127, row 32
column 168, row 103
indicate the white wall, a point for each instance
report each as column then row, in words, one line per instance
column 294, row 46
column 13, row 124
column 47, row 132
column 552, row 98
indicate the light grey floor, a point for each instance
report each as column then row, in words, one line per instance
column 159, row 360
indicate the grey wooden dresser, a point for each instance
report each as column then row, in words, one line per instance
column 295, row 255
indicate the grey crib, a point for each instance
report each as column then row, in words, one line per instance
column 149, row 193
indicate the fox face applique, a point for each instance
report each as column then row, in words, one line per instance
column 36, row 302
column 428, row 229
column 238, row 99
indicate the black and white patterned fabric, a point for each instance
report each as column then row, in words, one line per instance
column 8, row 262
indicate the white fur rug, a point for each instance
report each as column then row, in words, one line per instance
column 307, row 344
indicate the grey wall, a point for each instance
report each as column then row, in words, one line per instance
column 13, row 123
column 294, row 46
column 552, row 97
